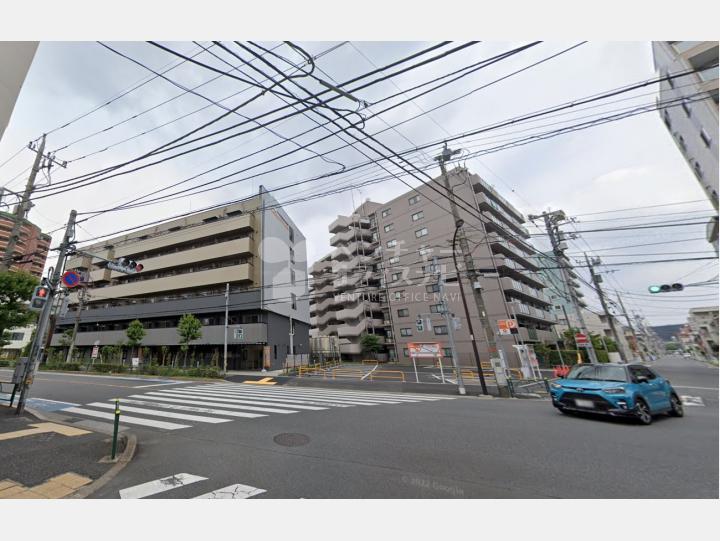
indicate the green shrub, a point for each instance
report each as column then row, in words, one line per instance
column 7, row 362
column 64, row 367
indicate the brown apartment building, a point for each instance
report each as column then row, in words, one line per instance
column 253, row 246
column 32, row 247
column 380, row 277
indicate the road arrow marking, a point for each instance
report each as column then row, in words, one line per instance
column 263, row 381
column 43, row 428
column 692, row 401
column 233, row 492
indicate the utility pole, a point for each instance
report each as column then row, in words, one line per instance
column 632, row 328
column 470, row 269
column 291, row 334
column 81, row 304
column 21, row 211
column 449, row 324
column 42, row 325
column 551, row 220
column 597, row 280
column 225, row 339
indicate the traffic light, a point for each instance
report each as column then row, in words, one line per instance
column 665, row 288
column 39, row 298
column 419, row 325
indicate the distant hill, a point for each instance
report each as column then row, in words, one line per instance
column 666, row 332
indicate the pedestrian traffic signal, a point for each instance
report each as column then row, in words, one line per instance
column 39, row 298
column 666, row 288
column 419, row 325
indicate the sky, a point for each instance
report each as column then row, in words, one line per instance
column 626, row 164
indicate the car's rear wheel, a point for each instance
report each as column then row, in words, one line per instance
column 676, row 407
column 642, row 412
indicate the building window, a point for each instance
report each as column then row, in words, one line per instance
column 671, row 82
column 705, row 138
column 421, row 232
column 374, row 236
column 414, row 199
column 388, row 228
column 433, row 288
column 405, row 332
column 666, row 119
column 391, row 243
column 17, row 336
column 403, row 312
column 447, row 352
column 406, row 352
column 417, row 216
column 275, row 352
column 440, row 329
column 424, row 250
column 395, row 276
column 293, row 301
column 436, row 308
column 686, row 108
column 385, row 213
column 292, row 255
column 291, row 234
column 698, row 170
column 292, row 276
column 397, row 295
column 394, row 260
column 429, row 269
column 681, row 142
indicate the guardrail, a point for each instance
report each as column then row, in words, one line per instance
column 387, row 374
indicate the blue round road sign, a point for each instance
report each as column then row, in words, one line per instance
column 70, row 279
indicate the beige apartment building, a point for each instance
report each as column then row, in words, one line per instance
column 253, row 246
column 380, row 278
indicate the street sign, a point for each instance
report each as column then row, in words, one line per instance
column 582, row 340
column 95, row 351
column 70, row 279
column 239, row 334
column 507, row 326
column 424, row 349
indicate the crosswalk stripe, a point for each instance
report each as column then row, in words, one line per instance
column 232, row 492
column 126, row 419
column 192, row 408
column 223, row 398
column 224, row 404
column 159, row 485
column 302, row 392
column 283, row 397
column 326, row 402
column 368, row 394
column 158, row 413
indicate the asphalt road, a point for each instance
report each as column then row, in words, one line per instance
column 463, row 447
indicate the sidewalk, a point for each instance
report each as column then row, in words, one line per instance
column 44, row 459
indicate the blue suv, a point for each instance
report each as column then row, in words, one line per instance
column 621, row 390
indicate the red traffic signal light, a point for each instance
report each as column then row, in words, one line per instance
column 42, row 292
column 39, row 298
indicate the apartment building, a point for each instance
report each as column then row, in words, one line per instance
column 31, row 248
column 15, row 58
column 253, row 246
column 560, row 292
column 694, row 125
column 397, row 279
column 703, row 330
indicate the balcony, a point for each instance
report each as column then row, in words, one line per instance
column 515, row 270
column 357, row 312
column 353, row 249
column 528, row 334
column 349, row 281
column 355, row 233
column 351, row 264
column 486, row 203
column 523, row 310
column 495, row 225
column 343, row 222
column 524, row 291
column 485, row 187
column 498, row 245
column 320, row 266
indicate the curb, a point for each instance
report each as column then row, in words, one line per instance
column 123, row 460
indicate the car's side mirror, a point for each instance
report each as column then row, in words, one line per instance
column 641, row 379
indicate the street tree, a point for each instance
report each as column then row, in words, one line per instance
column 135, row 334
column 189, row 330
column 370, row 343
column 16, row 288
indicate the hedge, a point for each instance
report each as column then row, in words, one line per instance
column 152, row 370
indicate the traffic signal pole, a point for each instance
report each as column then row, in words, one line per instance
column 43, row 320
column 81, row 304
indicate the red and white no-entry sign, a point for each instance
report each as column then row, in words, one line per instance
column 581, row 339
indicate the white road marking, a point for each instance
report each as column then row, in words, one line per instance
column 192, row 408
column 371, row 371
column 158, row 413
column 327, row 402
column 284, row 397
column 692, row 401
column 223, row 404
column 54, row 401
column 349, row 395
column 159, row 485
column 233, row 492
column 224, row 398
column 700, row 388
column 159, row 384
column 126, row 419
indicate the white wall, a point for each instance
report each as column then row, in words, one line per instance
column 15, row 60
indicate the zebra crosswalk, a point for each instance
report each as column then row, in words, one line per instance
column 178, row 480
column 217, row 403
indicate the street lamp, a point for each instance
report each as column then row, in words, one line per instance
column 458, row 224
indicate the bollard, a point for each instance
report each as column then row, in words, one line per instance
column 115, row 429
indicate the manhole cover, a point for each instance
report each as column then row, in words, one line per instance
column 290, row 439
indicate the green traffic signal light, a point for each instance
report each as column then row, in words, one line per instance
column 654, row 289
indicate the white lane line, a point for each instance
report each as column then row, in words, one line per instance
column 285, row 397
column 368, row 394
column 159, row 485
column 223, row 398
column 366, row 397
column 692, row 401
column 700, row 388
column 222, row 404
column 233, row 492
column 126, row 419
column 191, row 408
column 159, row 384
column 158, row 413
